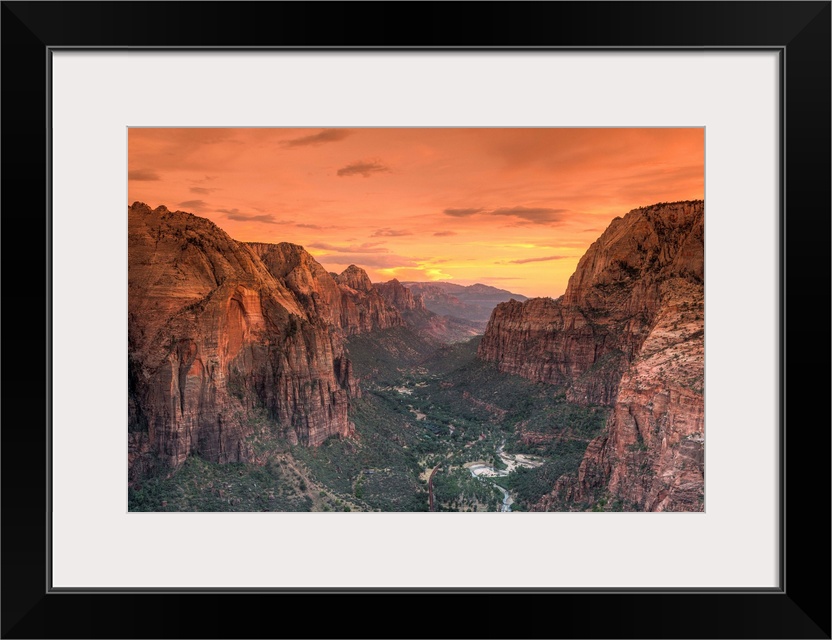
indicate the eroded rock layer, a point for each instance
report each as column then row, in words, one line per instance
column 629, row 333
column 220, row 332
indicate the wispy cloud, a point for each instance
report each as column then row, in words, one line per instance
column 375, row 260
column 319, row 227
column 526, row 260
column 443, row 234
column 462, row 213
column 266, row 218
column 327, row 135
column 194, row 205
column 142, row 175
column 387, row 232
column 362, row 168
column 203, row 191
column 536, row 215
column 367, row 247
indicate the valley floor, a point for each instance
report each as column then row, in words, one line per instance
column 499, row 441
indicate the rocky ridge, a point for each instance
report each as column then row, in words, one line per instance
column 440, row 329
column 225, row 333
column 627, row 333
column 222, row 333
column 348, row 300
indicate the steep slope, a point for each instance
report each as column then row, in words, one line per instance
column 628, row 332
column 215, row 338
column 653, row 453
column 363, row 308
column 312, row 286
column 399, row 296
column 348, row 300
column 441, row 329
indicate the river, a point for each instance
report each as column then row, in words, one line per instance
column 481, row 470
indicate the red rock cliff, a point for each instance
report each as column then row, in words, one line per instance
column 653, row 451
column 348, row 300
column 399, row 296
column 217, row 329
column 428, row 324
column 628, row 332
column 363, row 308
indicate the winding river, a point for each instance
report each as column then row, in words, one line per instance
column 481, row 470
column 478, row 469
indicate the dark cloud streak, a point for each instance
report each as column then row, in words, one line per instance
column 365, row 169
column 265, row 218
column 543, row 259
column 195, row 205
column 387, row 232
column 379, row 261
column 367, row 247
column 462, row 213
column 143, row 175
column 536, row 215
column 327, row 135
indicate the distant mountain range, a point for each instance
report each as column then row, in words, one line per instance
column 473, row 303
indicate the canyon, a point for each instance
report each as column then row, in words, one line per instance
column 221, row 332
column 250, row 358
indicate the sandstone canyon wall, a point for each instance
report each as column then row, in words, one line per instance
column 349, row 300
column 627, row 333
column 220, row 331
column 429, row 325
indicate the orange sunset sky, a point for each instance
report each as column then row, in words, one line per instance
column 513, row 208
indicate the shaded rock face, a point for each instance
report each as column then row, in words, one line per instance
column 355, row 278
column 653, row 452
column 348, row 300
column 399, row 296
column 218, row 334
column 585, row 339
column 544, row 341
column 629, row 333
column 313, row 287
column 429, row 325
column 363, row 308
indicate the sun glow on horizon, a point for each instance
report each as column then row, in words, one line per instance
column 513, row 208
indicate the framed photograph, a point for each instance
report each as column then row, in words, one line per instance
column 344, row 339
column 308, row 296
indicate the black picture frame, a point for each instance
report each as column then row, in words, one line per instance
column 799, row 31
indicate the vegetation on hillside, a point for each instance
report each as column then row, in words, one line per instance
column 421, row 406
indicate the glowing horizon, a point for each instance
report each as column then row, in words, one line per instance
column 511, row 208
